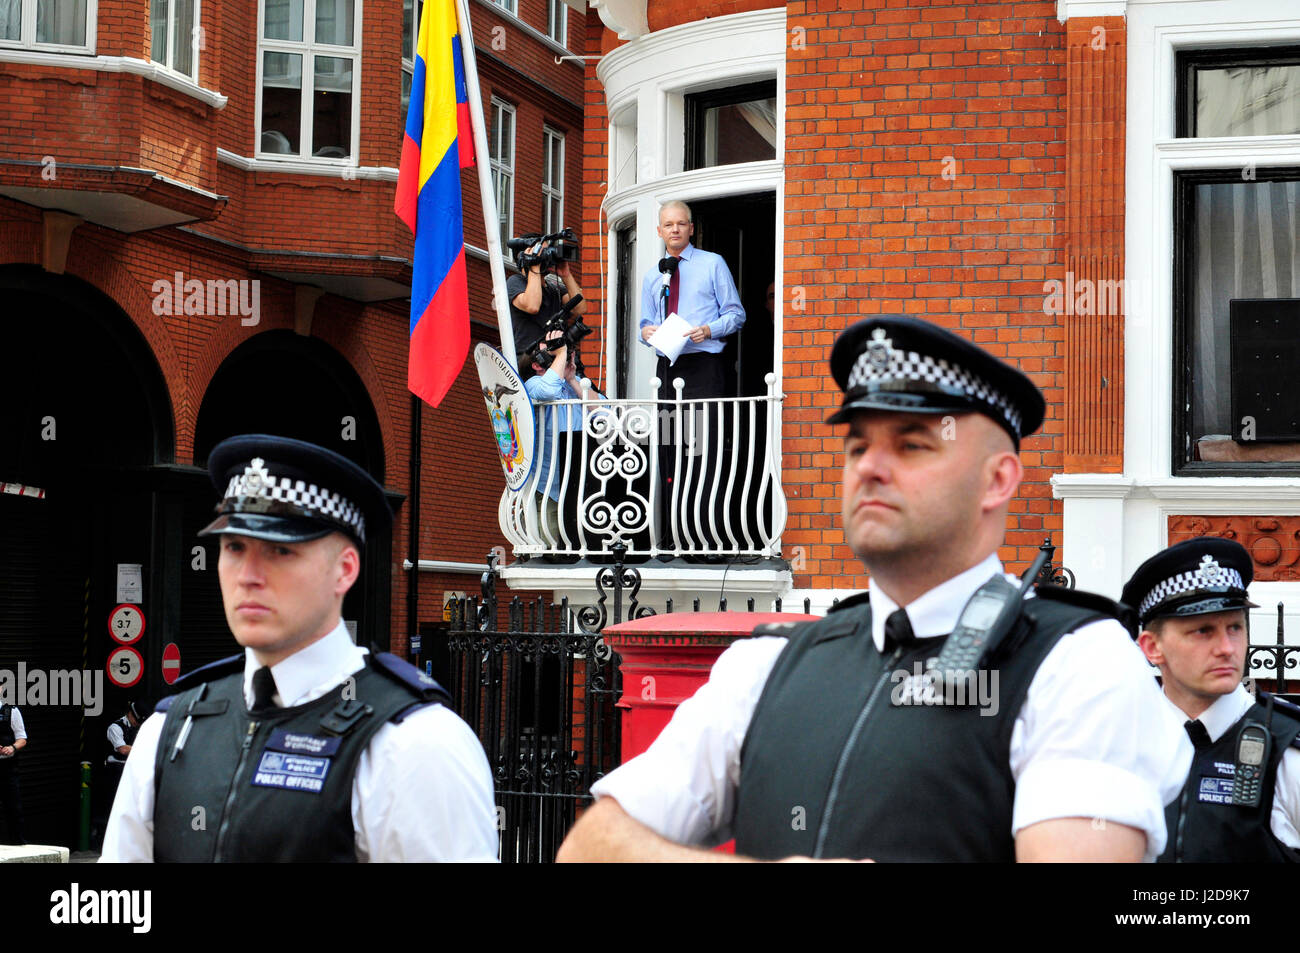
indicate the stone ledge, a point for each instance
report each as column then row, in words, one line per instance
column 33, row 854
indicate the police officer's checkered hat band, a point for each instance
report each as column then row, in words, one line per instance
column 284, row 490
column 257, row 490
column 1212, row 576
column 908, row 370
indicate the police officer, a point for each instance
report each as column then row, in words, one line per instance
column 829, row 739
column 1192, row 601
column 121, row 734
column 306, row 747
column 13, row 739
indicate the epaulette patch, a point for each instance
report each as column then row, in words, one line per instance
column 163, row 706
column 850, row 602
column 1091, row 600
column 209, row 673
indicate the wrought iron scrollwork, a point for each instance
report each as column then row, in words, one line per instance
column 1285, row 658
column 617, row 577
column 1051, row 574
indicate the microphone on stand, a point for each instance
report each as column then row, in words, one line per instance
column 668, row 265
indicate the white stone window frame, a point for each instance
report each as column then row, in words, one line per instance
column 552, row 191
column 501, row 167
column 1112, row 522
column 509, row 6
column 27, row 31
column 557, row 22
column 646, row 82
column 196, row 44
column 309, row 50
column 408, row 62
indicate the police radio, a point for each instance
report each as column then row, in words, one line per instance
column 1253, row 744
column 987, row 618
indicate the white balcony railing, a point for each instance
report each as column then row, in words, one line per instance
column 664, row 477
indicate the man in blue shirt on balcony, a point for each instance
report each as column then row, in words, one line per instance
column 702, row 292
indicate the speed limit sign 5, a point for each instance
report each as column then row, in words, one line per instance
column 126, row 624
column 125, row 666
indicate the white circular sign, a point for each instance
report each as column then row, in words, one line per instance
column 125, row 666
column 510, row 411
column 126, row 624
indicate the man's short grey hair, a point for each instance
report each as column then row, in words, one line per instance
column 675, row 203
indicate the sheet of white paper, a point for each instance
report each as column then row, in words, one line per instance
column 671, row 337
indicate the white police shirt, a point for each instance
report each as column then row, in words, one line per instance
column 1284, row 820
column 1093, row 738
column 19, row 729
column 422, row 789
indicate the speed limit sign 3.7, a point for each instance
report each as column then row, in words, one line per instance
column 125, row 666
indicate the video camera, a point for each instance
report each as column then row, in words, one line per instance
column 571, row 329
column 561, row 246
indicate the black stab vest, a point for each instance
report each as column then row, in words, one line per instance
column 129, row 732
column 240, row 792
column 836, row 764
column 6, row 725
column 1204, row 829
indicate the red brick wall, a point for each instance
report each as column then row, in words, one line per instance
column 881, row 102
column 81, row 116
column 662, row 15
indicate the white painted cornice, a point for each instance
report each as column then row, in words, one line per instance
column 334, row 168
column 117, row 64
column 627, row 18
column 1089, row 8
column 662, row 51
column 1226, row 494
column 698, row 184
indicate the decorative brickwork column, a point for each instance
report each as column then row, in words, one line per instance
column 1092, row 301
column 666, row 658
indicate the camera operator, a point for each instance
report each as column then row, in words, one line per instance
column 537, row 293
column 555, row 378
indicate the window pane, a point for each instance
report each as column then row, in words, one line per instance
column 406, row 95
column 284, row 19
column 1243, row 245
column 558, row 21
column 745, row 132
column 183, row 38
column 281, row 103
column 1248, row 101
column 11, row 19
column 158, row 29
column 334, row 22
column 332, row 108
column 61, row 21
column 408, row 30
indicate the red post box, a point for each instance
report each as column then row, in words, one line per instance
column 666, row 658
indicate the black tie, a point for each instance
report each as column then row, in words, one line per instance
column 898, row 631
column 1200, row 737
column 263, row 689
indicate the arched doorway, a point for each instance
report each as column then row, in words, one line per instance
column 87, row 419
column 284, row 384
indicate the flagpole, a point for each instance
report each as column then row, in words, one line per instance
column 491, row 222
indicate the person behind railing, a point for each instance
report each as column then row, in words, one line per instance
column 536, row 293
column 555, row 377
column 697, row 286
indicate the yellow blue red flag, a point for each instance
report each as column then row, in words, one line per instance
column 438, row 143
